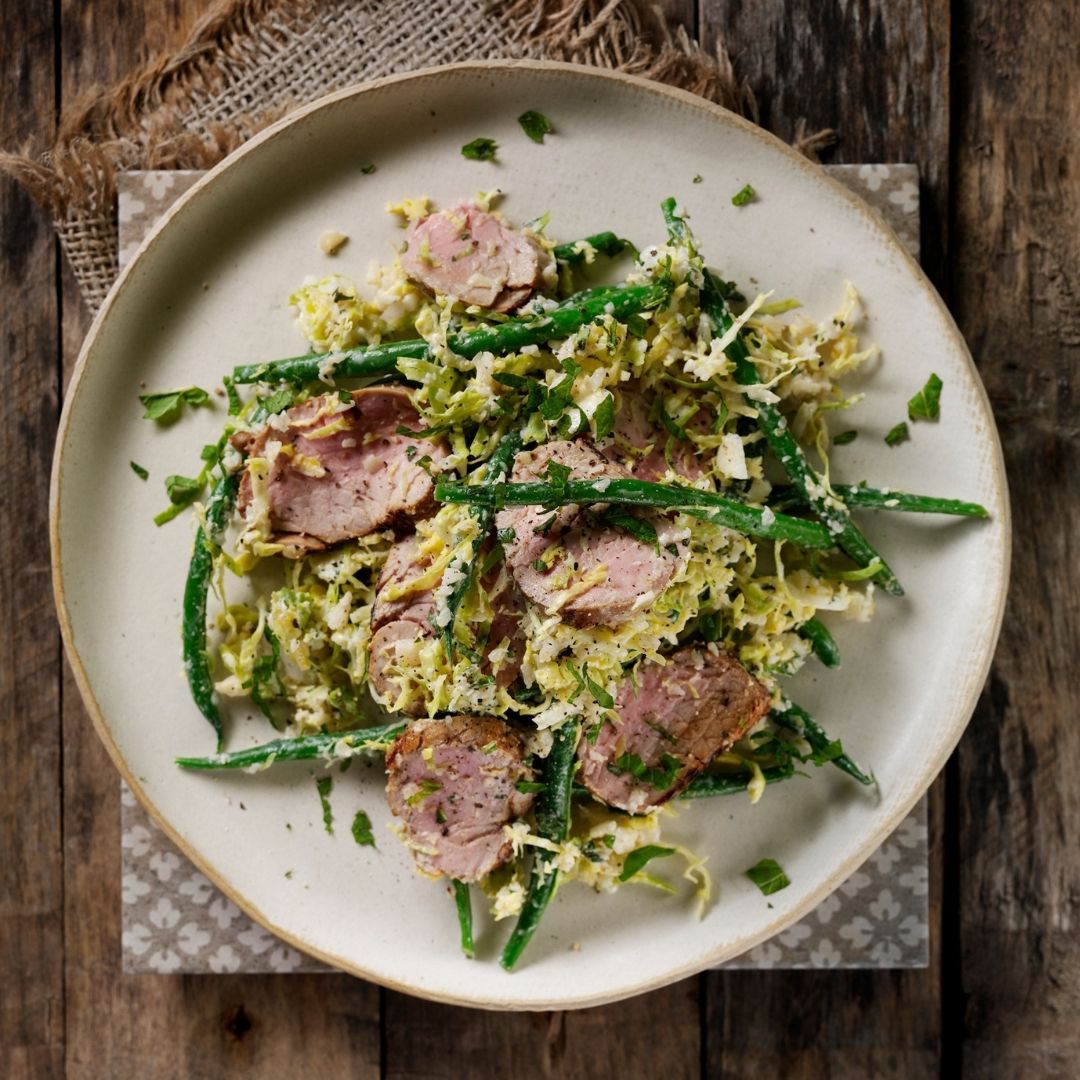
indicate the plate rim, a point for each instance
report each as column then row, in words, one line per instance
column 947, row 742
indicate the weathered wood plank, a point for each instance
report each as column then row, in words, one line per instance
column 31, row 879
column 878, row 73
column 1015, row 277
column 656, row 1034
column 167, row 1026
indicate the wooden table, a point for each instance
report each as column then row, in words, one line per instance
column 985, row 97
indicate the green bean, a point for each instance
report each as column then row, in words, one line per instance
column 821, row 641
column 499, row 338
column 795, row 719
column 869, row 498
column 330, row 745
column 775, row 427
column 718, row 509
column 832, row 512
column 463, row 902
column 606, row 243
column 552, row 823
column 709, row 784
column 498, row 465
column 197, row 665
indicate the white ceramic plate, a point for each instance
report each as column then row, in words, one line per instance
column 208, row 289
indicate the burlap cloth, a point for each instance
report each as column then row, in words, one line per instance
column 247, row 62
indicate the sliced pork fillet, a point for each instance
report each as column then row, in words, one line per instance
column 575, row 562
column 475, row 257
column 338, row 469
column 681, row 716
column 453, row 784
column 402, row 621
column 642, row 444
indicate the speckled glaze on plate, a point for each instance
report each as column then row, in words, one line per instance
column 208, row 289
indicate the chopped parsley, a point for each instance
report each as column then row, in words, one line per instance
column 557, row 476
column 182, row 489
column 926, row 404
column 583, row 680
column 660, row 777
column 325, row 784
column 138, row 470
column 235, row 404
column 898, row 435
column 368, row 169
column 535, row 125
column 278, row 400
column 640, row 529
column 604, row 418
column 768, row 877
column 639, row 857
column 529, row 787
column 361, row 830
column 845, row 437
column 425, row 790
column 167, row 406
column 480, row 150
column 744, row 195
column 697, row 178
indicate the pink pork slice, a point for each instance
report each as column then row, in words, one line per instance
column 635, row 431
column 368, row 479
column 551, row 552
column 474, row 257
column 684, row 713
column 452, row 782
column 398, row 624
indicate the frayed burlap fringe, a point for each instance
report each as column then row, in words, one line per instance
column 247, row 62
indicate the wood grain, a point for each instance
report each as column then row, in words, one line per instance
column 986, row 99
column 1015, row 281
column 31, row 873
column 655, row 1031
column 876, row 71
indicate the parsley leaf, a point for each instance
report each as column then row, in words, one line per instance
column 167, row 406
column 480, row 150
column 639, row 857
column 138, row 470
column 845, row 437
column 235, row 404
column 535, row 125
column 264, row 676
column 427, row 788
column 898, row 435
column 556, row 474
column 743, row 196
column 325, row 784
column 600, row 695
column 278, row 400
column 640, row 529
column 562, row 393
column 660, row 777
column 926, row 404
column 529, row 787
column 768, row 877
column 604, row 418
column 361, row 830
column 182, row 489
column 583, row 680
column 367, row 170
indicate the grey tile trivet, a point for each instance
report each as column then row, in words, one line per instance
column 175, row 920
